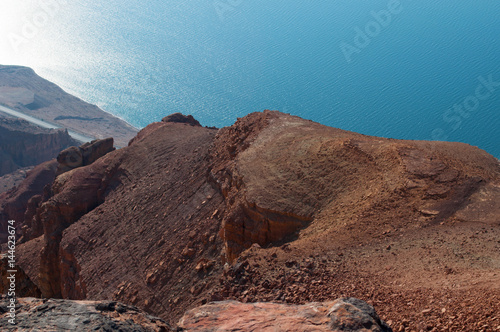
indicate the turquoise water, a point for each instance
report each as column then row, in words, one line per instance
column 416, row 71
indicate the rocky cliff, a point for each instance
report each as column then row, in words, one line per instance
column 21, row 202
column 22, row 144
column 276, row 208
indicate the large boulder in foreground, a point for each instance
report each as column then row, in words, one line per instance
column 61, row 315
column 346, row 314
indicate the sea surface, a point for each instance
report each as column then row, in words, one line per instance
column 401, row 69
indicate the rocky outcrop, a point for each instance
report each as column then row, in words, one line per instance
column 74, row 196
column 23, row 90
column 168, row 200
column 62, row 315
column 20, row 203
column 346, row 314
column 22, row 144
column 351, row 314
column 181, row 118
column 74, row 157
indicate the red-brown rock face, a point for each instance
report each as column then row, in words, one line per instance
column 23, row 200
column 279, row 173
column 153, row 224
column 24, row 285
column 156, row 190
column 21, row 203
column 347, row 314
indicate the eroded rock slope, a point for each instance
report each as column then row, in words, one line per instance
column 299, row 211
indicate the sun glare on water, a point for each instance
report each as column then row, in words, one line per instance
column 23, row 28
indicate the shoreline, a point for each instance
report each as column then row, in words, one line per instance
column 44, row 124
column 29, row 96
column 75, row 93
column 78, row 95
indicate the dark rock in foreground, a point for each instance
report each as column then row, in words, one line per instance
column 61, row 315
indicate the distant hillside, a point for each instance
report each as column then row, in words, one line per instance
column 23, row 90
column 23, row 144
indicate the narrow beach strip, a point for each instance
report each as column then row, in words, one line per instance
column 44, row 124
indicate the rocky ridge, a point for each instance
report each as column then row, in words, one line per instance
column 300, row 212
